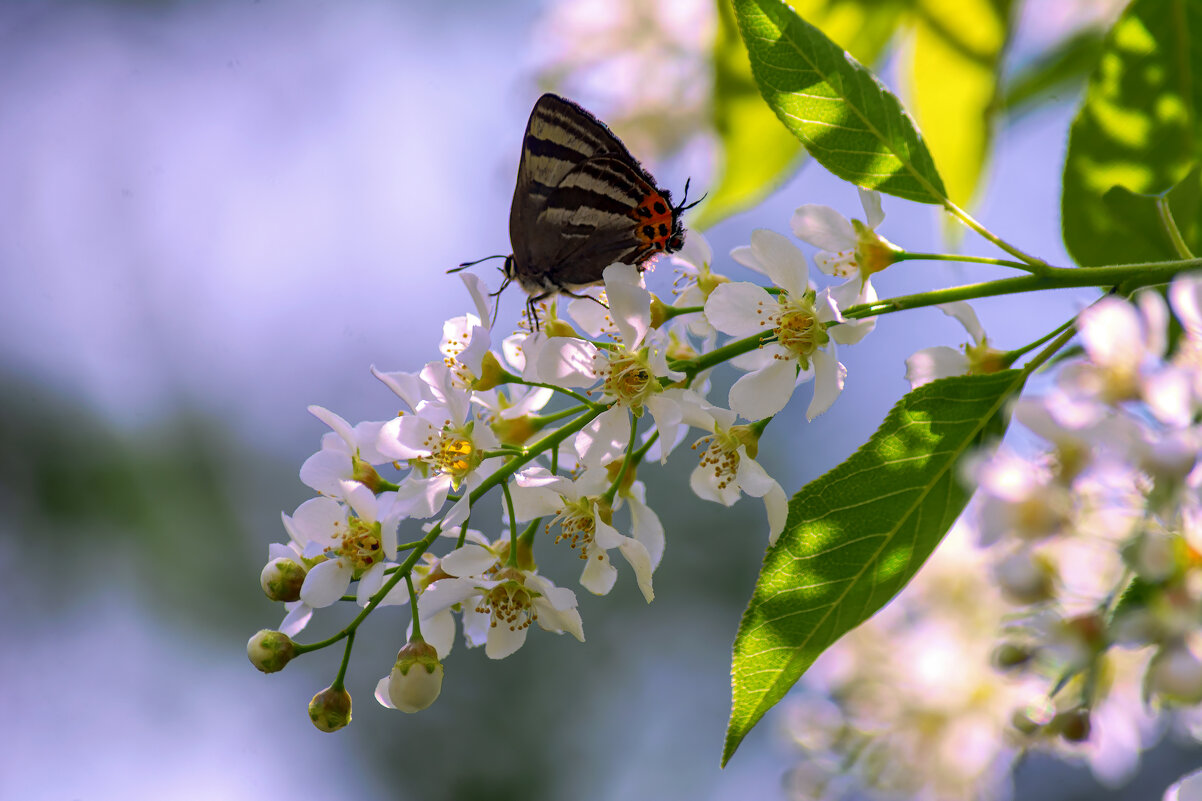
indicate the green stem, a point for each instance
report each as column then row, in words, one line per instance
column 564, row 391
column 676, row 311
column 417, row 624
column 337, row 684
column 1039, row 264
column 613, row 489
column 513, row 526
column 527, row 535
column 907, row 256
column 641, row 453
column 1170, row 227
column 1014, row 355
column 541, row 421
column 1051, row 349
column 691, row 367
column 1129, row 276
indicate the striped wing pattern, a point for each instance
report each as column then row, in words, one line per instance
column 575, row 203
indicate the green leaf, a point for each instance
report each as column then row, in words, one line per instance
column 756, row 155
column 956, row 58
column 856, row 535
column 1060, row 71
column 842, row 114
column 1138, row 128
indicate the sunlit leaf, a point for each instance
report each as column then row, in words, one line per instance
column 957, row 54
column 1138, row 129
column 856, row 535
column 1059, row 72
column 756, row 154
column 842, row 114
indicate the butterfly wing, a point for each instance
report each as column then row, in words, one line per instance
column 560, row 136
column 590, row 222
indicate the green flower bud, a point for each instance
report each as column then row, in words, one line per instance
column 330, row 709
column 281, row 579
column 416, row 679
column 270, row 650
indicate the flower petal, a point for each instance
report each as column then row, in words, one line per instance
column 752, row 477
column 315, row 521
column 1185, row 294
column 852, row 293
column 829, row 375
column 599, row 574
column 640, row 562
column 408, row 386
column 299, row 614
column 777, row 507
column 371, row 581
column 439, row 631
column 696, row 250
column 765, row 392
column 1112, row 334
column 823, row 227
column 325, row 470
column 740, row 308
column 568, row 362
column 381, row 693
column 926, row 365
column 479, row 292
column 964, row 313
column 629, row 303
column 783, row 261
column 325, row 583
column 604, row 439
column 668, row 417
column 503, row 641
column 470, row 560
column 874, row 215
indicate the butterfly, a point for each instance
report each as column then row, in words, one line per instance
column 582, row 202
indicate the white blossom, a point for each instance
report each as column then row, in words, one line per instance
column 797, row 317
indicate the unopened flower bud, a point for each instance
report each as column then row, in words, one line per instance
column 1073, row 725
column 416, row 678
column 1175, row 674
column 330, row 709
column 270, row 650
column 1009, row 656
column 281, row 579
column 1031, row 718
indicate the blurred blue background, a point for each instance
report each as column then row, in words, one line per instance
column 214, row 214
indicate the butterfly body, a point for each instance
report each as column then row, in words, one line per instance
column 581, row 203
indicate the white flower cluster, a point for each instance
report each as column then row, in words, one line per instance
column 1077, row 624
column 481, row 418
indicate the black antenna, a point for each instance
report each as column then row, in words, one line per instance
column 473, row 263
column 685, row 198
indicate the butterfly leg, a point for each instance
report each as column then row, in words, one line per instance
column 596, row 300
column 532, row 308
